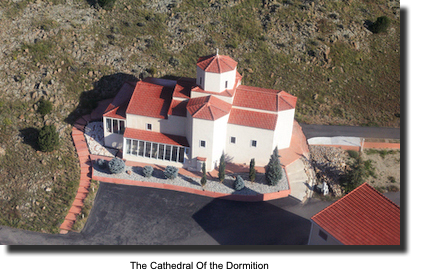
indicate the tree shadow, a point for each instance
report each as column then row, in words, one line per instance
column 30, row 137
column 105, row 88
column 252, row 223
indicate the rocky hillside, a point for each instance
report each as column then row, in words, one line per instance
column 75, row 53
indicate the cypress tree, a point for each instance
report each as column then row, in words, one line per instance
column 274, row 169
column 204, row 175
column 222, row 169
column 252, row 172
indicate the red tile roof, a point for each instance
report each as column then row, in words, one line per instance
column 362, row 217
column 209, row 107
column 183, row 87
column 157, row 137
column 253, row 119
column 178, row 108
column 217, row 63
column 118, row 106
column 150, row 100
column 263, row 99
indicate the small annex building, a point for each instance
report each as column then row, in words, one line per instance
column 362, row 217
column 187, row 122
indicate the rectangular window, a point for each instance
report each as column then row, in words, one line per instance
column 141, row 148
column 168, row 152
column 202, row 143
column 148, row 126
column 161, row 151
column 115, row 126
column 225, row 85
column 253, row 143
column 232, row 139
column 134, row 148
column 200, row 81
column 181, row 154
column 122, row 127
column 323, row 235
column 148, row 150
column 175, row 150
column 154, row 150
column 128, row 145
column 108, row 125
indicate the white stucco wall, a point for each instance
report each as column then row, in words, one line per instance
column 173, row 125
column 215, row 82
column 242, row 151
column 315, row 239
column 283, row 133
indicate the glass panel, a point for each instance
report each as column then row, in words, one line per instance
column 148, row 149
column 115, row 126
column 154, row 150
column 181, row 154
column 122, row 128
column 161, row 151
column 108, row 125
column 128, row 145
column 134, row 148
column 141, row 148
column 175, row 149
column 168, row 152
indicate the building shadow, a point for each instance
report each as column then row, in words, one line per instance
column 252, row 223
column 105, row 88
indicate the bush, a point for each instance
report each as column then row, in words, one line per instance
column 106, row 4
column 44, row 107
column 171, row 172
column 353, row 154
column 116, row 165
column 381, row 25
column 147, row 171
column 239, row 183
column 102, row 163
column 274, row 169
column 222, row 169
column 355, row 177
column 48, row 138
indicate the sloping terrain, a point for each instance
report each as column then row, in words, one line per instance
column 74, row 53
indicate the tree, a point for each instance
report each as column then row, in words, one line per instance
column 252, row 171
column 355, row 177
column 222, row 169
column 380, row 25
column 204, row 175
column 44, row 107
column 274, row 169
column 48, row 138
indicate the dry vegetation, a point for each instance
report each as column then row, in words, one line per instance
column 74, row 54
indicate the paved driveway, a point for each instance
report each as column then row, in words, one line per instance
column 127, row 215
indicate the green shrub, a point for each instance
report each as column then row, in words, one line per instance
column 116, row 166
column 106, row 4
column 44, row 107
column 380, row 25
column 102, row 163
column 222, row 169
column 274, row 169
column 355, row 177
column 353, row 154
column 239, row 183
column 252, row 171
column 147, row 171
column 48, row 138
column 171, row 172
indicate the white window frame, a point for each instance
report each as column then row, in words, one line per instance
column 147, row 126
column 119, row 131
